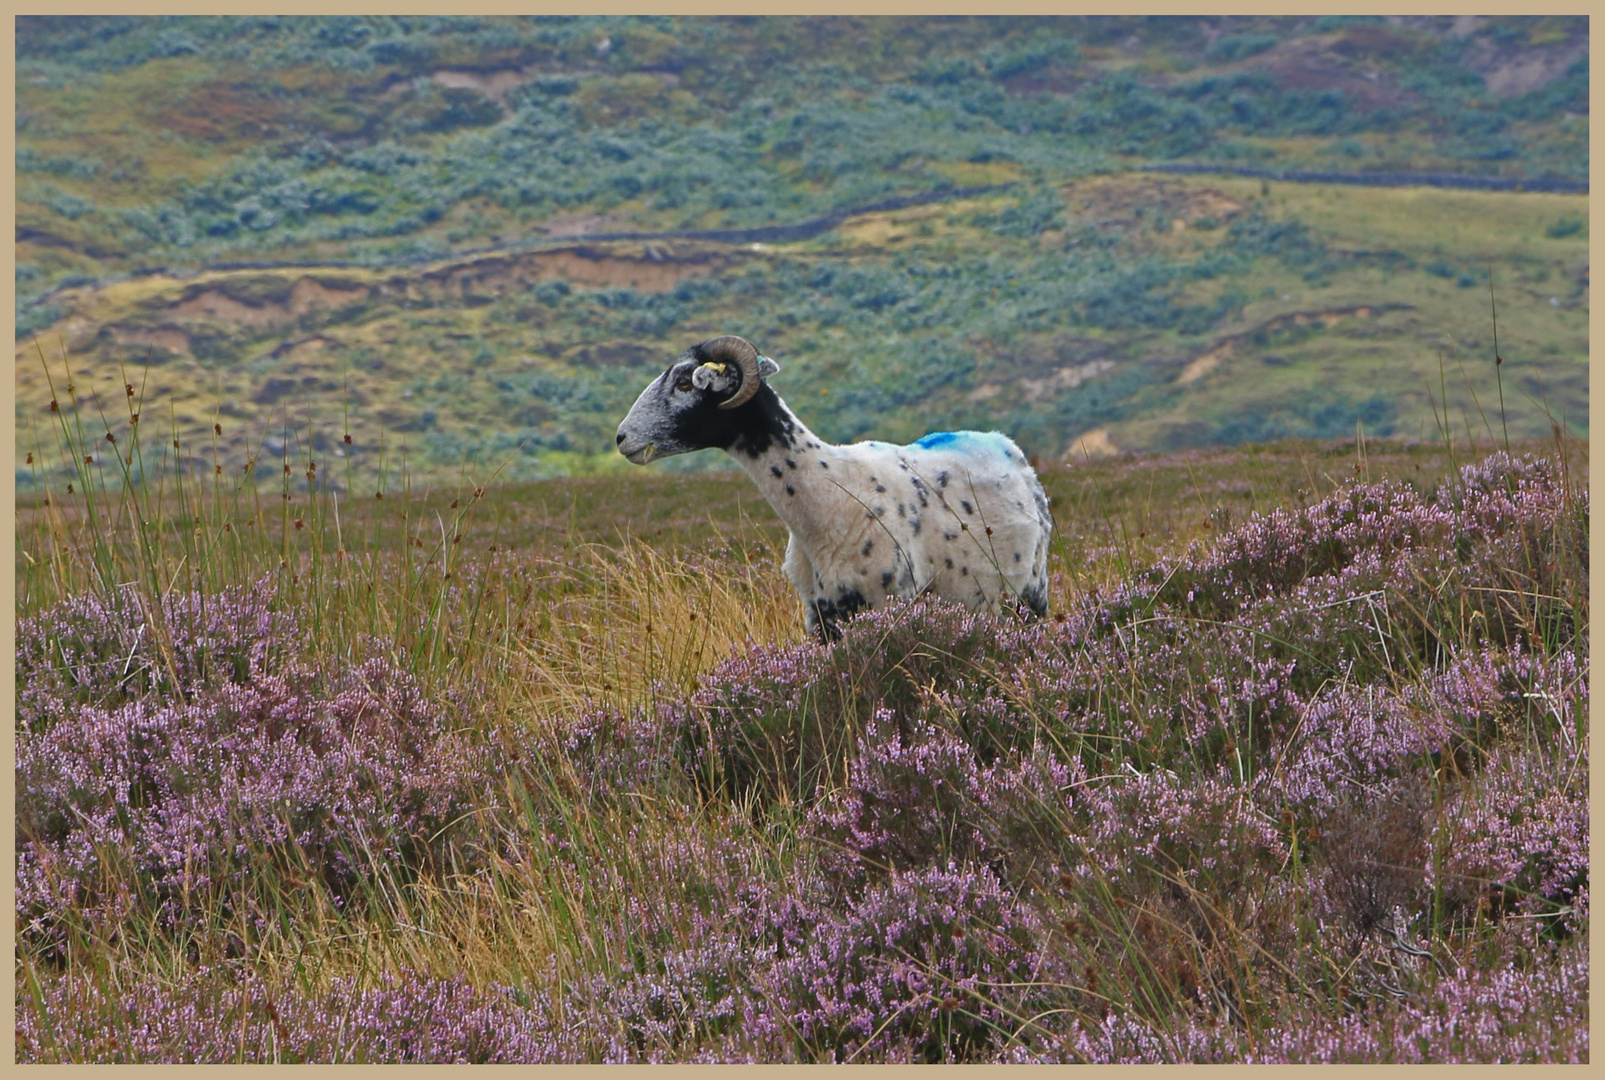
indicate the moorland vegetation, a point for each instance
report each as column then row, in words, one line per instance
column 392, row 214
column 369, row 707
column 1296, row 771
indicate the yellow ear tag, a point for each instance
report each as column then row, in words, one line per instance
column 715, row 367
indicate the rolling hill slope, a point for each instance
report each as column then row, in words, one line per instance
column 393, row 228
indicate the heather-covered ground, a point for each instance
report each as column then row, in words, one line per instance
column 303, row 780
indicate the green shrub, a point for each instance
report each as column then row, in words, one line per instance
column 1233, row 47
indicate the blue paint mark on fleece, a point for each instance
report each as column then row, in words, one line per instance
column 969, row 442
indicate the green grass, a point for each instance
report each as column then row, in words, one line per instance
column 147, row 145
column 468, row 366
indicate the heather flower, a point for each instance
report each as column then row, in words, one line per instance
column 870, row 980
column 1518, row 834
column 220, row 1015
column 924, row 798
column 340, row 775
column 1503, row 1015
column 104, row 650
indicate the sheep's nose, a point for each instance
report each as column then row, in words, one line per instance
column 620, row 440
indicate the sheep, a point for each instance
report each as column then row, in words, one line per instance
column 957, row 514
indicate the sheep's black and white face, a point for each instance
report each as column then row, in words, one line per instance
column 679, row 411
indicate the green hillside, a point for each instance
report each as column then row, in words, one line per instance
column 396, row 228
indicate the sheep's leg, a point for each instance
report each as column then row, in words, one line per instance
column 820, row 627
column 826, row 616
column 1035, row 595
column 800, row 572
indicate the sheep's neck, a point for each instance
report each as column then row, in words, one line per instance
column 792, row 466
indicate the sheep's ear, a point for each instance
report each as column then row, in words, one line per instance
column 716, row 376
column 767, row 368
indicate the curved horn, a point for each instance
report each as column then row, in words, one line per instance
column 744, row 354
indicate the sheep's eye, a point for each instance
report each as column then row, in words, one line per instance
column 682, row 383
